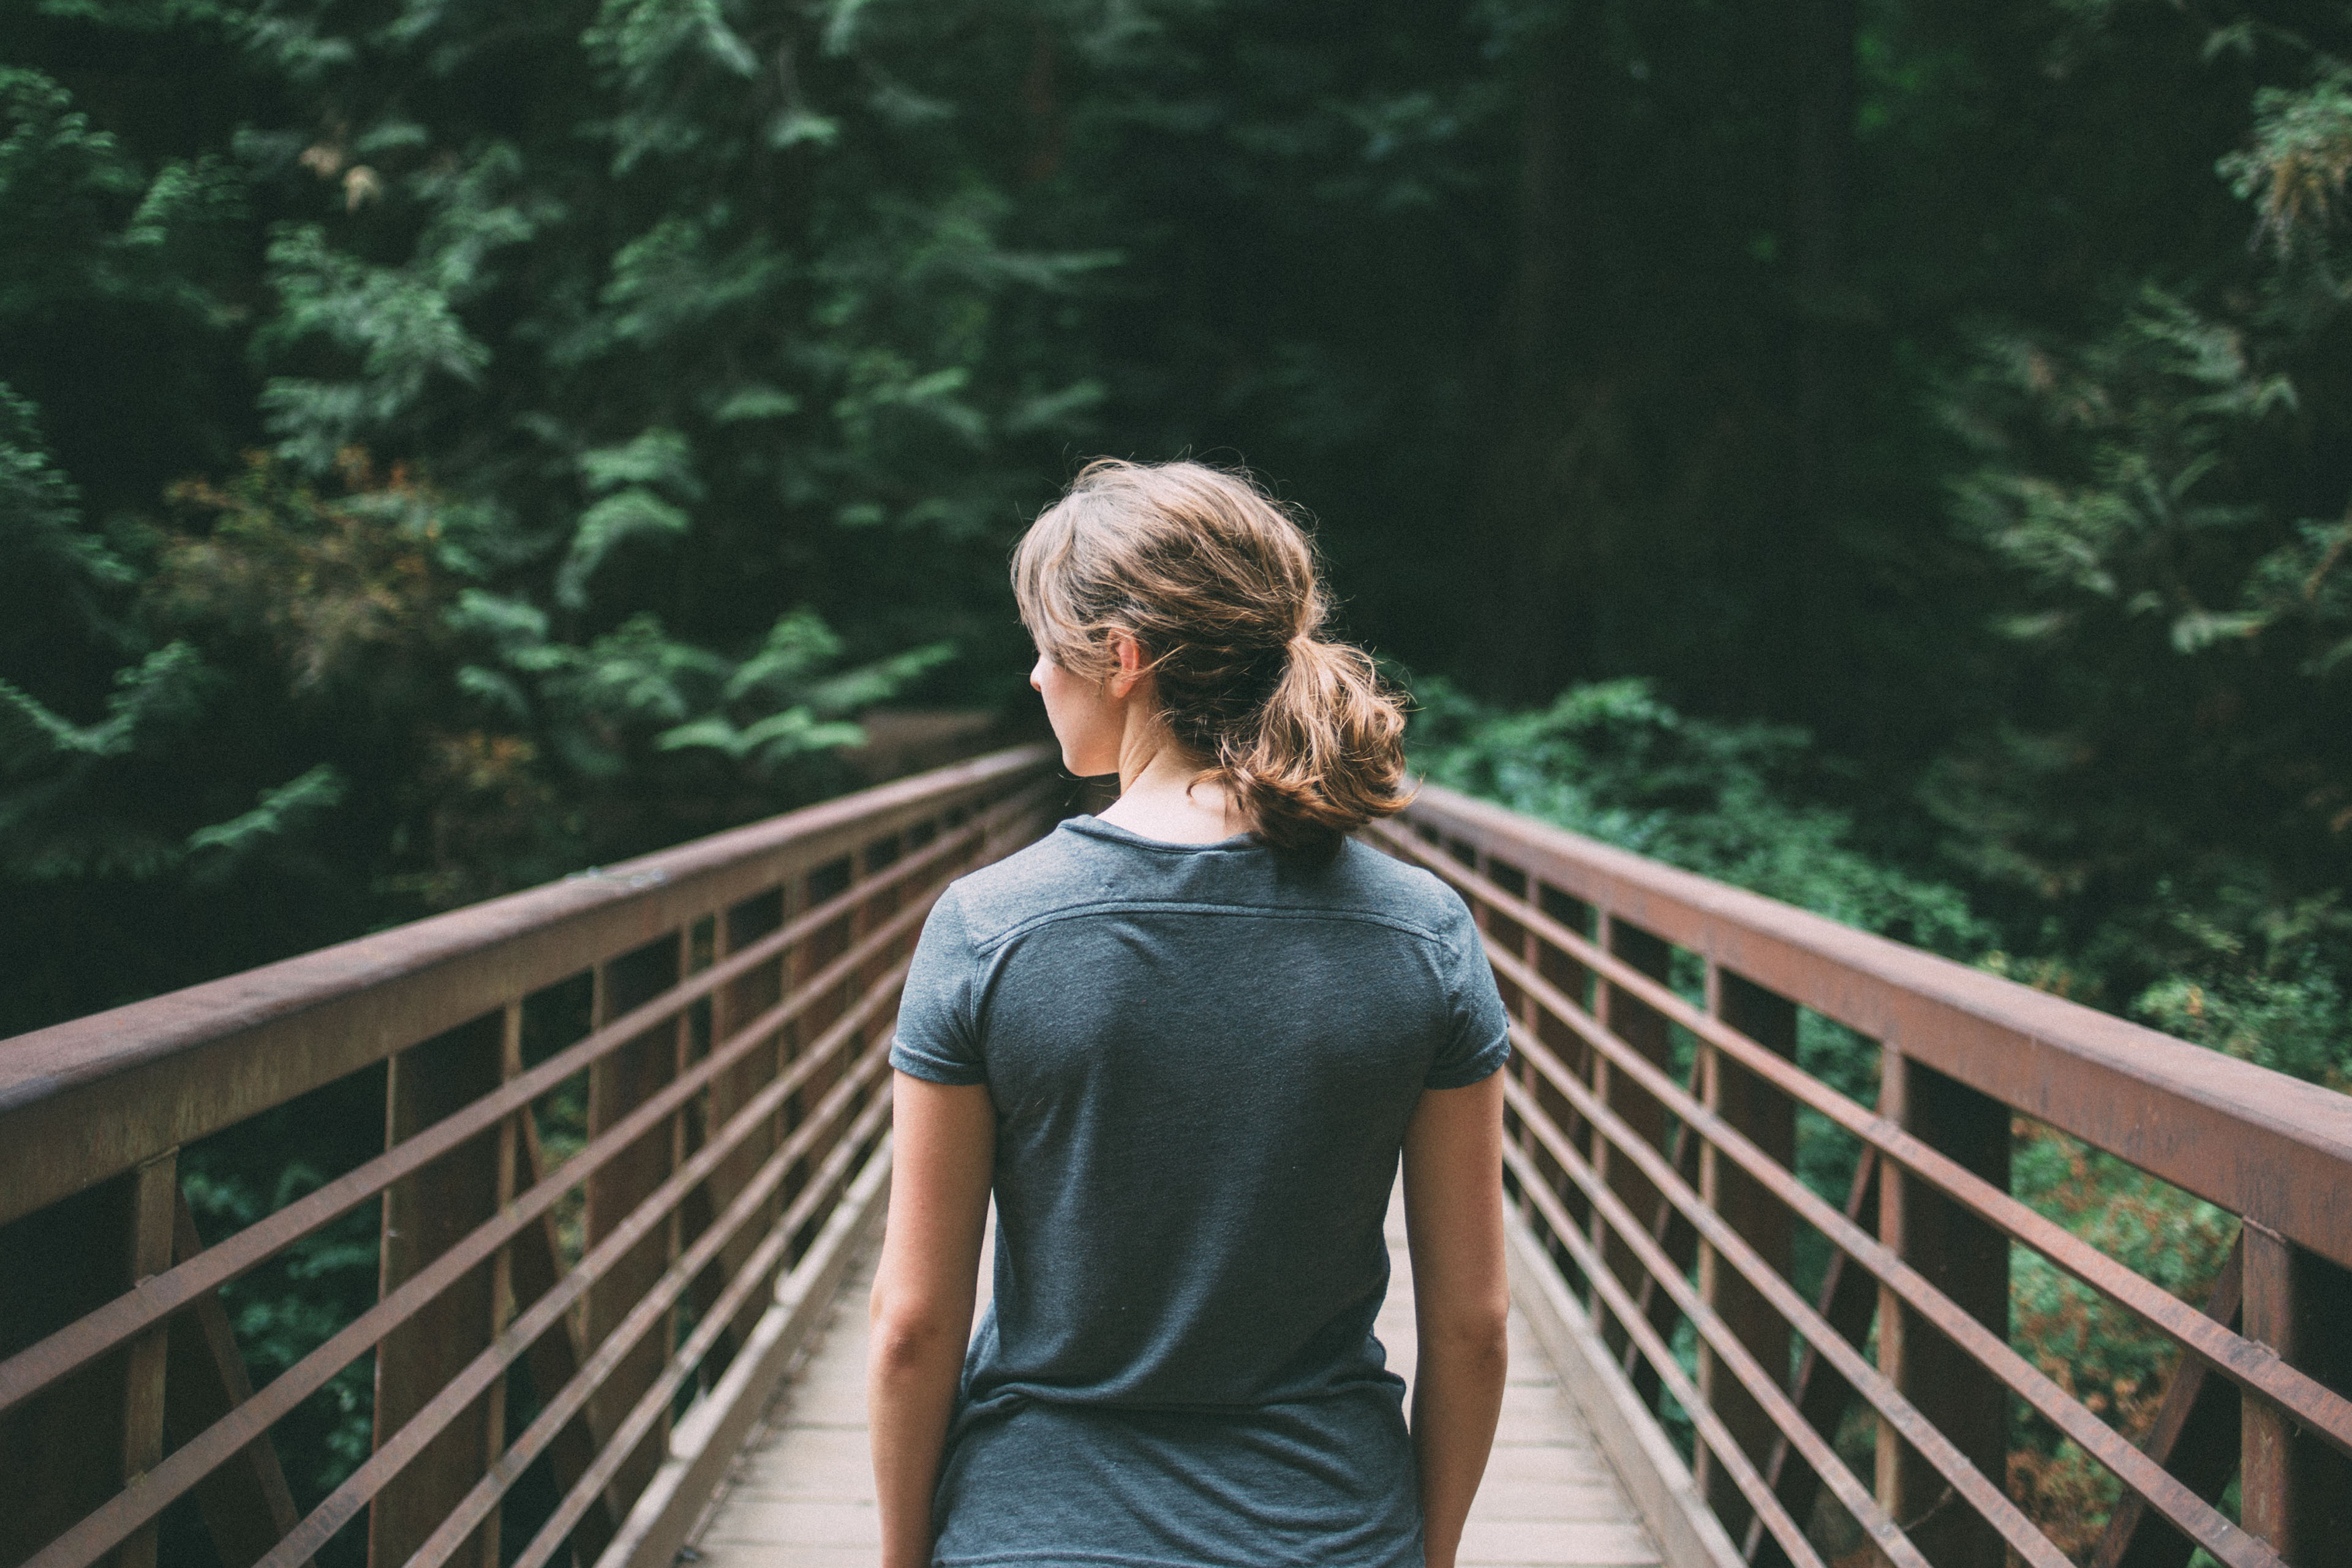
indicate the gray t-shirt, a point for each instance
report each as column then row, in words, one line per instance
column 1202, row 1059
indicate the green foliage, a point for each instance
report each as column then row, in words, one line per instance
column 2160, row 813
column 1744, row 803
column 86, row 220
column 2300, row 157
column 2145, row 518
column 2264, row 984
column 40, row 515
column 571, row 369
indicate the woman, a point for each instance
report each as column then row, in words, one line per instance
column 1185, row 1043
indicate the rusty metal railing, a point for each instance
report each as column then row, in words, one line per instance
column 634, row 1299
column 1670, row 1204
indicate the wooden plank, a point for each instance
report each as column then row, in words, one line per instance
column 1656, row 1481
column 803, row 1491
column 708, row 1440
column 1568, row 1543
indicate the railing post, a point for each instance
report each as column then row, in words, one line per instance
column 423, row 1215
column 154, row 1198
column 810, row 956
column 2294, row 1491
column 1967, row 1259
column 618, row 1083
column 535, row 1266
column 1575, row 981
column 502, row 1266
column 1644, row 1028
column 1769, row 1119
column 731, row 1005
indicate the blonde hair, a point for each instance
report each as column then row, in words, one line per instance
column 1219, row 586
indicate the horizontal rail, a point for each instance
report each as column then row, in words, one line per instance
column 2254, row 1142
column 87, row 1100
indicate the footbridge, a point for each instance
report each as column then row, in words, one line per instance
column 634, row 1156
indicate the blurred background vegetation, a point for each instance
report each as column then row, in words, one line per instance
column 1891, row 453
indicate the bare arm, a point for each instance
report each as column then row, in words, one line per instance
column 943, row 1141
column 1462, row 1298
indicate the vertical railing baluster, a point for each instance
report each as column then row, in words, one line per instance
column 423, row 1215
column 731, row 1005
column 620, row 1081
column 502, row 1287
column 1605, row 937
column 1968, row 1259
column 1531, row 1016
column 1644, row 1028
column 154, row 1198
column 535, row 1266
column 1577, row 983
column 1767, row 1119
column 674, row 1225
column 2294, row 1491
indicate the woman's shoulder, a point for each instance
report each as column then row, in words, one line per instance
column 1409, row 895
column 1048, row 874
column 1068, row 871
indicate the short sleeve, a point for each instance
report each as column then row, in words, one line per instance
column 935, row 1038
column 1478, row 1040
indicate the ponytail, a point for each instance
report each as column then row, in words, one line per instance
column 1219, row 585
column 1326, row 753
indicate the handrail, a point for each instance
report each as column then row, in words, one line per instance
column 139, row 1079
column 1668, row 1202
column 2246, row 1139
column 742, row 990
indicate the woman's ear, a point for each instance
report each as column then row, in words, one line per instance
column 1130, row 654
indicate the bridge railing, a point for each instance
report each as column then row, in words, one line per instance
column 630, row 1123
column 1655, row 1105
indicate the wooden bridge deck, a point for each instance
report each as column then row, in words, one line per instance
column 802, row 1495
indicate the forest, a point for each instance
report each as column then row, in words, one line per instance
column 1889, row 453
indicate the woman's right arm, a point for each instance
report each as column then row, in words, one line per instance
column 944, row 1151
column 1462, row 1299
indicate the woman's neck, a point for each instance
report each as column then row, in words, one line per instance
column 1158, row 799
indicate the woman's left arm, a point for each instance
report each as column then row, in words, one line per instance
column 943, row 1153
